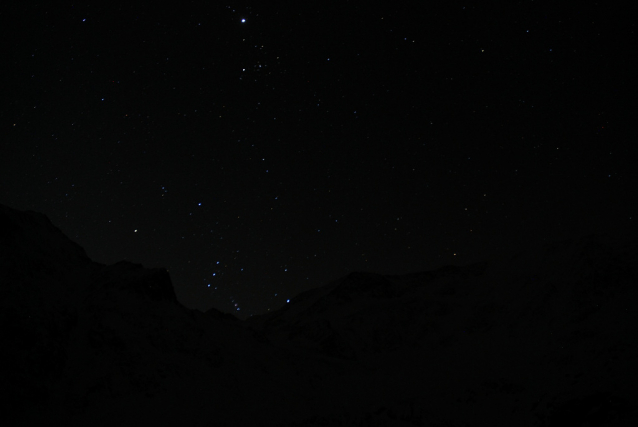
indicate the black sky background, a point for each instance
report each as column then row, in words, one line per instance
column 270, row 156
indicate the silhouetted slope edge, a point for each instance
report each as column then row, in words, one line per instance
column 542, row 337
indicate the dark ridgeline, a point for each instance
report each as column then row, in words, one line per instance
column 545, row 337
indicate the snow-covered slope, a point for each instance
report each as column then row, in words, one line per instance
column 544, row 337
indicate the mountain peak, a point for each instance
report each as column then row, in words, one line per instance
column 532, row 339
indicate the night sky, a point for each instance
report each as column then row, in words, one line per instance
column 257, row 153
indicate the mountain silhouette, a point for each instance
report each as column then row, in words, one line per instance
column 542, row 337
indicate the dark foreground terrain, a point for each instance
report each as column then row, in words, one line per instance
column 543, row 337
